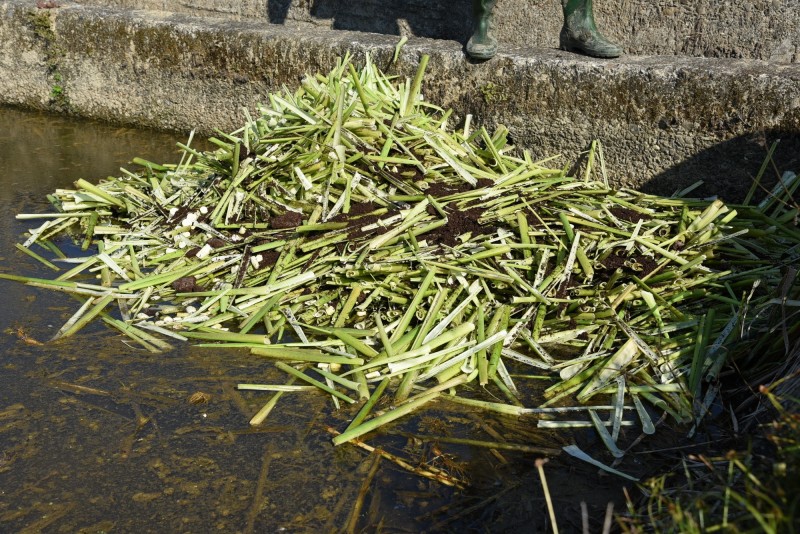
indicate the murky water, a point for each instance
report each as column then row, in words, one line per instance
column 100, row 436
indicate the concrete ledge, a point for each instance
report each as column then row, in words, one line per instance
column 665, row 122
column 754, row 29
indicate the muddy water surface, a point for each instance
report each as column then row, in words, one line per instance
column 97, row 435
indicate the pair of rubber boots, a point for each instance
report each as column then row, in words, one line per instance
column 579, row 33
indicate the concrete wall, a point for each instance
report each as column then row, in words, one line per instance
column 665, row 122
column 757, row 29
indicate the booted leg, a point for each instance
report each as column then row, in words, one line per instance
column 482, row 45
column 580, row 34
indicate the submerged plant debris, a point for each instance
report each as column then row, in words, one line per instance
column 349, row 234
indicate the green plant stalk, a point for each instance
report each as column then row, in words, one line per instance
column 431, row 315
column 441, row 360
column 37, row 257
column 79, row 321
column 416, row 85
column 344, row 312
column 503, row 315
column 483, row 360
column 757, row 181
column 372, row 424
column 698, row 357
column 138, row 334
column 412, row 308
column 261, row 313
column 583, row 261
column 385, row 342
column 605, row 436
column 401, row 355
column 370, row 404
column 265, row 410
column 302, row 355
column 96, row 191
column 90, row 224
column 350, row 384
column 497, row 407
column 358, row 345
column 160, row 278
column 302, row 376
column 506, row 391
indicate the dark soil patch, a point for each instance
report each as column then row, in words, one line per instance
column 362, row 208
column 186, row 284
column 355, row 227
column 269, row 257
column 627, row 214
column 614, row 262
column 407, row 172
column 648, row 264
column 441, row 189
column 459, row 223
column 356, row 211
column 290, row 219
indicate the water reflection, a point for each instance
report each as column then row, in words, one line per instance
column 39, row 152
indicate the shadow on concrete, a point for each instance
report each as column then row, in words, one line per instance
column 277, row 10
column 729, row 167
column 436, row 20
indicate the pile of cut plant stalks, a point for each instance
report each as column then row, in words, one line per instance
column 350, row 235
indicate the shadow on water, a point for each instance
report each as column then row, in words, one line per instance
column 434, row 20
column 99, row 436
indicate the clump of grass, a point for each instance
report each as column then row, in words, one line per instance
column 752, row 490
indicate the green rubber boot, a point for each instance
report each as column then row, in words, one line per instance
column 482, row 45
column 579, row 33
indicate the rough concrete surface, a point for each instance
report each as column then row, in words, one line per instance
column 665, row 122
column 756, row 29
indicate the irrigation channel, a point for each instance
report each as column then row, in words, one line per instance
column 98, row 435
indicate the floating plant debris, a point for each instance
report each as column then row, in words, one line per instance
column 349, row 234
